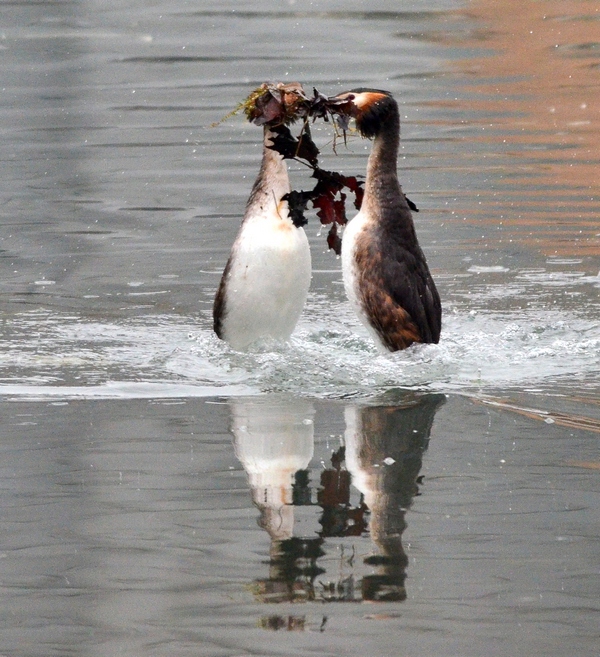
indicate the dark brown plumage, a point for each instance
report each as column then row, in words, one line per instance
column 385, row 271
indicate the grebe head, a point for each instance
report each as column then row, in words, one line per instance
column 371, row 108
column 277, row 104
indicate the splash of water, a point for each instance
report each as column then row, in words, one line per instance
column 165, row 356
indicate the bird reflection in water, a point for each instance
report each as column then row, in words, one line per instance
column 384, row 453
column 364, row 490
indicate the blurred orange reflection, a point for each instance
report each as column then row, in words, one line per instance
column 536, row 99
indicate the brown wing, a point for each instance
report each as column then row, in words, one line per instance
column 398, row 294
column 219, row 309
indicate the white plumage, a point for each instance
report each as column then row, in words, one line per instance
column 266, row 280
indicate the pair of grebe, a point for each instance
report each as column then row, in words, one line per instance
column 386, row 277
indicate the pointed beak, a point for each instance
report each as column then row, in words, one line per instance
column 343, row 104
column 342, row 108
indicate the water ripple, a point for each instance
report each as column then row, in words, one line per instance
column 479, row 352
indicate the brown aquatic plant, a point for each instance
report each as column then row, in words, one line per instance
column 279, row 106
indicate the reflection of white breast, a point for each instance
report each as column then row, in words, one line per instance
column 273, row 441
column 366, row 476
column 353, row 439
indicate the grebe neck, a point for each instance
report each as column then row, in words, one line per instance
column 382, row 189
column 273, row 181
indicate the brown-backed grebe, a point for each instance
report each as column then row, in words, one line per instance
column 385, row 272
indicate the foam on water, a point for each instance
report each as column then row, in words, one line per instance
column 165, row 356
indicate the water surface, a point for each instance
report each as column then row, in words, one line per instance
column 164, row 495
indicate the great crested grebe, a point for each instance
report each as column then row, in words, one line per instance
column 385, row 273
column 266, row 279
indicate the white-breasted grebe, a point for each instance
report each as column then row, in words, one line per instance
column 385, row 272
column 266, row 279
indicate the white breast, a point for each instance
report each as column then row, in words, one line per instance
column 356, row 229
column 349, row 273
column 268, row 279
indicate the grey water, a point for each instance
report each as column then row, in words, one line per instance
column 164, row 495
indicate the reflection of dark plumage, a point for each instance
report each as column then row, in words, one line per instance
column 384, row 452
column 385, row 272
